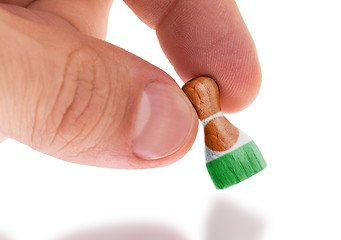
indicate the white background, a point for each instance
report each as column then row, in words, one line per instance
column 295, row 121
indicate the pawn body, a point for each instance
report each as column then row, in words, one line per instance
column 231, row 156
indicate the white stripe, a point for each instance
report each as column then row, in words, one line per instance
column 242, row 139
column 206, row 120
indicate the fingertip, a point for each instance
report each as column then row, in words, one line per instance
column 239, row 76
column 205, row 38
column 240, row 86
column 164, row 124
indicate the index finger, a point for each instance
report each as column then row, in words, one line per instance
column 206, row 38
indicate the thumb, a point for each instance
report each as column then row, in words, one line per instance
column 83, row 100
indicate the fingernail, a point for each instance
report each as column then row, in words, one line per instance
column 164, row 122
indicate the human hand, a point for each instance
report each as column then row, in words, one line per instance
column 66, row 93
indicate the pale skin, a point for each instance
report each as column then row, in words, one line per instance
column 66, row 92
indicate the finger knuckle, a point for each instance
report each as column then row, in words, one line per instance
column 81, row 100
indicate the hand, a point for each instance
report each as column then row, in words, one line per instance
column 66, row 93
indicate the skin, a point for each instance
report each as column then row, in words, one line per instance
column 54, row 45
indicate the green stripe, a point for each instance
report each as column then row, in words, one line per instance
column 236, row 165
